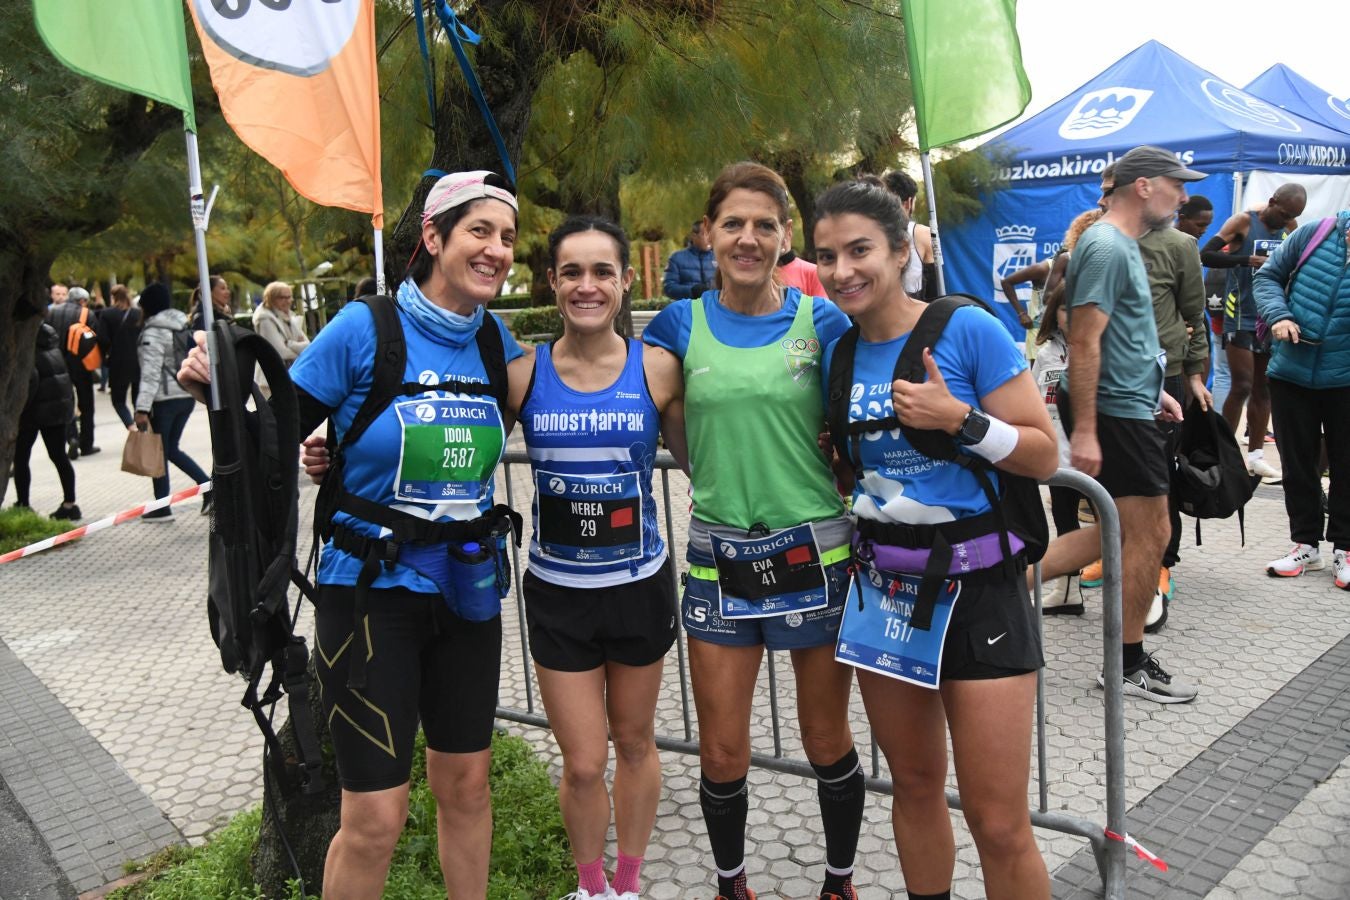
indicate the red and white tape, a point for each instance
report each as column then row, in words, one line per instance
column 1139, row 849
column 125, row 516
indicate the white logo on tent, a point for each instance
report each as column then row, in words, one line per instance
column 295, row 36
column 1016, row 249
column 1339, row 107
column 1103, row 112
column 1230, row 99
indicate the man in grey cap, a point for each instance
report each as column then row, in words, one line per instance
column 61, row 317
column 1115, row 397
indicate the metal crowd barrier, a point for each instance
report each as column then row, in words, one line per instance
column 1110, row 854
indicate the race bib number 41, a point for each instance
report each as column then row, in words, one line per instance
column 450, row 449
column 770, row 576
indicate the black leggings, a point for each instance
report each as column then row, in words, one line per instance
column 54, row 438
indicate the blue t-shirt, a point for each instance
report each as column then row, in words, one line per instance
column 337, row 369
column 976, row 356
column 671, row 327
column 1106, row 271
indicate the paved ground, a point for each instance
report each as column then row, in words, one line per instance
column 113, row 677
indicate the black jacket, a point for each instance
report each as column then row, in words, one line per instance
column 53, row 403
column 67, row 314
column 123, row 327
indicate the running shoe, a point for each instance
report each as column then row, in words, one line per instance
column 1157, row 613
column 582, row 894
column 1340, row 568
column 162, row 515
column 1151, row 682
column 1086, row 515
column 849, row 894
column 1165, row 584
column 1057, row 598
column 71, row 512
column 626, row 895
column 73, row 448
column 1269, row 474
column 1092, row 575
column 1302, row 558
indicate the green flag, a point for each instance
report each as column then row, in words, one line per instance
column 137, row 45
column 965, row 65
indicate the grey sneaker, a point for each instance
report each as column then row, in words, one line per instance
column 1152, row 682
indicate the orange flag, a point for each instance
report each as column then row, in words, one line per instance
column 297, row 82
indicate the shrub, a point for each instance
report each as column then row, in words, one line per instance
column 530, row 856
column 545, row 320
column 511, row 301
column 20, row 526
column 656, row 303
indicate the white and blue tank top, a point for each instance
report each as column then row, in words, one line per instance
column 591, row 456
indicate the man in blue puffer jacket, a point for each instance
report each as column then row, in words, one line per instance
column 689, row 272
column 1308, row 310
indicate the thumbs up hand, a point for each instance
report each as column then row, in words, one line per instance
column 930, row 405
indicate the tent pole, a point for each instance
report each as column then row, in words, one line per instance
column 1237, row 193
column 933, row 221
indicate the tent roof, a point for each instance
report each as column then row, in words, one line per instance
column 1289, row 90
column 1153, row 95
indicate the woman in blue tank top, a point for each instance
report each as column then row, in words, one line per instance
column 600, row 589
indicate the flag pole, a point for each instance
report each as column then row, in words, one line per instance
column 201, row 212
column 379, row 260
column 933, row 221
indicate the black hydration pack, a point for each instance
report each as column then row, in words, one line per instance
column 387, row 385
column 1211, row 479
column 1016, row 510
column 254, row 513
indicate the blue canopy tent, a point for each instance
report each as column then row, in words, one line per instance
column 1290, row 91
column 1052, row 162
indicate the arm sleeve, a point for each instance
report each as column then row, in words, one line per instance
column 151, row 355
column 670, row 329
column 1212, row 255
column 313, row 412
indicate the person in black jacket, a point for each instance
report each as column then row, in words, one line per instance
column 122, row 323
column 50, row 408
column 61, row 317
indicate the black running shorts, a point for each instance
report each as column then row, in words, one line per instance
column 579, row 629
column 993, row 633
column 426, row 663
column 1134, row 453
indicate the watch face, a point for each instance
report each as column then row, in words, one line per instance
column 974, row 428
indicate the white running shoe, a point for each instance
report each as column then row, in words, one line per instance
column 1157, row 613
column 626, row 895
column 583, row 894
column 1058, row 599
column 1340, row 568
column 1302, row 558
column 1269, row 474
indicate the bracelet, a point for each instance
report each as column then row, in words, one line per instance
column 999, row 441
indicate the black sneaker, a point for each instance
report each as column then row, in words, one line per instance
column 90, row 450
column 1152, row 682
column 158, row 515
column 71, row 512
column 73, row 449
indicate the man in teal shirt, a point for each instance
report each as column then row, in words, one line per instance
column 1115, row 391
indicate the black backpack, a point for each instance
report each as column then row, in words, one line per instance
column 254, row 515
column 1018, row 509
column 1211, row 479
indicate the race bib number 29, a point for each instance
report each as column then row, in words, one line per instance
column 450, row 449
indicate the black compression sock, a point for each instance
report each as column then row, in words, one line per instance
column 842, row 791
column 1133, row 656
column 941, row 895
column 725, row 806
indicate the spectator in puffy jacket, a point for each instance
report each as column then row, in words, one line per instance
column 690, row 272
column 161, row 404
column 50, row 408
column 1309, row 377
column 61, row 316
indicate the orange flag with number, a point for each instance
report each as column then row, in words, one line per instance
column 297, row 82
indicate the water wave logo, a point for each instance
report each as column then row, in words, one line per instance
column 1102, row 112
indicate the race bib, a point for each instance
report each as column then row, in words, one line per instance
column 770, row 576
column 589, row 519
column 876, row 633
column 450, row 449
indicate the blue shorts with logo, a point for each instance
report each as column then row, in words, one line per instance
column 794, row 631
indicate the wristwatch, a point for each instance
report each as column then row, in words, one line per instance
column 973, row 429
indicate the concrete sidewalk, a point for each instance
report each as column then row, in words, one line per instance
column 133, row 738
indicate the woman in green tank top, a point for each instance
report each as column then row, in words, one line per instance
column 768, row 541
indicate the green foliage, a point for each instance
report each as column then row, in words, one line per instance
column 656, row 303
column 530, row 856
column 20, row 526
column 510, row 301
column 537, row 320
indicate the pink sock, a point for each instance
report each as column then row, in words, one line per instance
column 626, row 875
column 591, row 876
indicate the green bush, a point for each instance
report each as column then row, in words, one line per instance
column 537, row 320
column 511, row 301
column 20, row 526
column 656, row 303
column 530, row 856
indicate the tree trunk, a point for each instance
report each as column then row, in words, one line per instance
column 307, row 821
